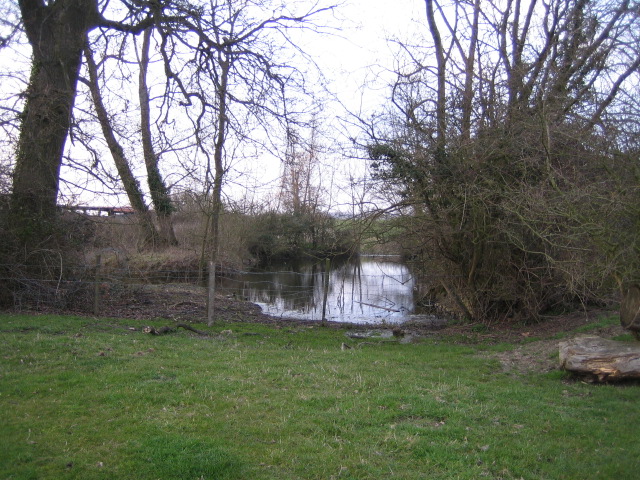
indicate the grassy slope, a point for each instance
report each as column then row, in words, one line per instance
column 86, row 398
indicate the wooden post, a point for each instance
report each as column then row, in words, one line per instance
column 327, row 267
column 96, row 287
column 212, row 293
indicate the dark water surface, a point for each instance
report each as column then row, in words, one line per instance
column 372, row 290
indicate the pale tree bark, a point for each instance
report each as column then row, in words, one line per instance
column 157, row 186
column 469, row 73
column 467, row 55
column 300, row 188
column 601, row 359
column 441, row 101
column 130, row 183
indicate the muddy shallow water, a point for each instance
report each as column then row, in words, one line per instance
column 366, row 290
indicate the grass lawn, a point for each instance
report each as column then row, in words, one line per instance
column 89, row 398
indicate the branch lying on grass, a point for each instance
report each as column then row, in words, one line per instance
column 163, row 330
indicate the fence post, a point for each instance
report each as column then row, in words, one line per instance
column 327, row 267
column 212, row 293
column 96, row 286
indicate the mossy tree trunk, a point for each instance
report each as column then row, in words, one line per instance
column 157, row 186
column 56, row 33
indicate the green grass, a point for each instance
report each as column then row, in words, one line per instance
column 89, row 399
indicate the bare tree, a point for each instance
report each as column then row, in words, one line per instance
column 129, row 181
column 249, row 84
column 300, row 188
column 238, row 29
column 56, row 33
column 441, row 71
column 157, row 186
column 508, row 146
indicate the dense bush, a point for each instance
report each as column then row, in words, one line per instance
column 499, row 233
column 278, row 236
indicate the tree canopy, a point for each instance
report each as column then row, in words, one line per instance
column 225, row 68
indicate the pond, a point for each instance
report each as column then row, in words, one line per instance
column 371, row 290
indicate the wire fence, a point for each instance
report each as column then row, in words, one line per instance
column 379, row 290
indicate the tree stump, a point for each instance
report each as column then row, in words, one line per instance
column 602, row 359
column 630, row 311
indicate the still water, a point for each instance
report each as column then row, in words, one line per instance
column 371, row 290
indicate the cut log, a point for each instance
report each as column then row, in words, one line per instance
column 604, row 360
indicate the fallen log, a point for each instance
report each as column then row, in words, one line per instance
column 604, row 360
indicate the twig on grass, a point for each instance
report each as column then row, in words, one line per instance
column 164, row 330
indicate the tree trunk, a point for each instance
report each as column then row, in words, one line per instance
column 441, row 103
column 630, row 310
column 469, row 73
column 130, row 183
column 157, row 187
column 56, row 33
column 224, row 60
column 604, row 360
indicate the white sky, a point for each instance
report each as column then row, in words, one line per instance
column 363, row 57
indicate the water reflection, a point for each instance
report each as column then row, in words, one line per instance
column 364, row 290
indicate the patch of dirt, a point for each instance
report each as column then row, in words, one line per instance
column 536, row 344
column 538, row 349
column 186, row 303
column 176, row 302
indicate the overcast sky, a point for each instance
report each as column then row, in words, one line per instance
column 356, row 59
column 359, row 54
